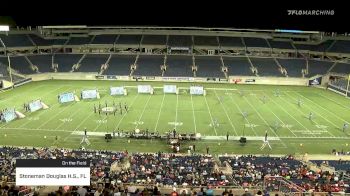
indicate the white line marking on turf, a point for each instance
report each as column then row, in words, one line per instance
column 267, row 124
column 160, row 110
column 99, row 124
column 177, row 103
column 346, row 107
column 324, row 110
column 70, row 116
column 53, row 117
column 317, row 114
column 241, row 113
column 82, row 122
column 234, row 128
column 143, row 111
column 43, row 111
column 278, row 117
column 194, row 118
column 133, row 101
column 31, row 90
column 99, row 133
column 297, row 109
column 291, row 115
column 211, row 117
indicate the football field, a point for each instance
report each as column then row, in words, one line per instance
column 236, row 110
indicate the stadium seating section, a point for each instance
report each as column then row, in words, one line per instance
column 194, row 170
column 176, row 65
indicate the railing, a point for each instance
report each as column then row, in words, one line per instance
column 283, row 184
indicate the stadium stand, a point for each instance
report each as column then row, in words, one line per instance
column 120, row 64
column 180, row 41
column 293, row 66
column 43, row 62
column 40, row 41
column 250, row 170
column 149, row 65
column 186, row 170
column 129, row 40
column 59, row 42
column 341, row 83
column 281, row 44
column 66, row 61
column 231, row 42
column 341, row 68
column 238, row 66
column 209, row 66
column 255, row 42
column 4, row 75
column 79, row 40
column 266, row 67
column 322, row 47
column 178, row 66
column 205, row 41
column 21, row 65
column 319, row 67
column 92, row 62
column 104, row 39
column 339, row 165
column 16, row 40
column 341, row 46
column 154, row 40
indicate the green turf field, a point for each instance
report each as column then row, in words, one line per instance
column 288, row 125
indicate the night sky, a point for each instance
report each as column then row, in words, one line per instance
column 182, row 13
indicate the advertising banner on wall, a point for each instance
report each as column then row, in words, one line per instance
column 315, row 81
column 249, row 80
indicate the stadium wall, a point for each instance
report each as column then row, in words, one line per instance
column 232, row 79
column 269, row 80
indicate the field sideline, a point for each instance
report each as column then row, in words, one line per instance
column 285, row 121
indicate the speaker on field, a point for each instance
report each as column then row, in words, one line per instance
column 242, row 140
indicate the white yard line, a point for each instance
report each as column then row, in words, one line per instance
column 291, row 116
column 278, row 117
column 177, row 106
column 228, row 117
column 325, row 110
column 99, row 124
column 334, row 101
column 99, row 134
column 31, row 90
column 132, row 103
column 82, row 122
column 318, row 115
column 143, row 111
column 160, row 111
column 267, row 124
column 211, row 117
column 53, row 117
column 297, row 109
column 194, row 117
column 70, row 116
column 44, row 111
column 35, row 129
column 241, row 113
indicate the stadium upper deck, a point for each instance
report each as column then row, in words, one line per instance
column 189, row 52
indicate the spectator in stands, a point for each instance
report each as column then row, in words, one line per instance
column 246, row 193
column 174, row 193
column 201, row 192
column 155, row 191
column 98, row 192
column 209, row 191
column 82, row 191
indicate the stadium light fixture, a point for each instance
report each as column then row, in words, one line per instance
column 4, row 28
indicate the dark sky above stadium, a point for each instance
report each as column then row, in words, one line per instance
column 197, row 14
